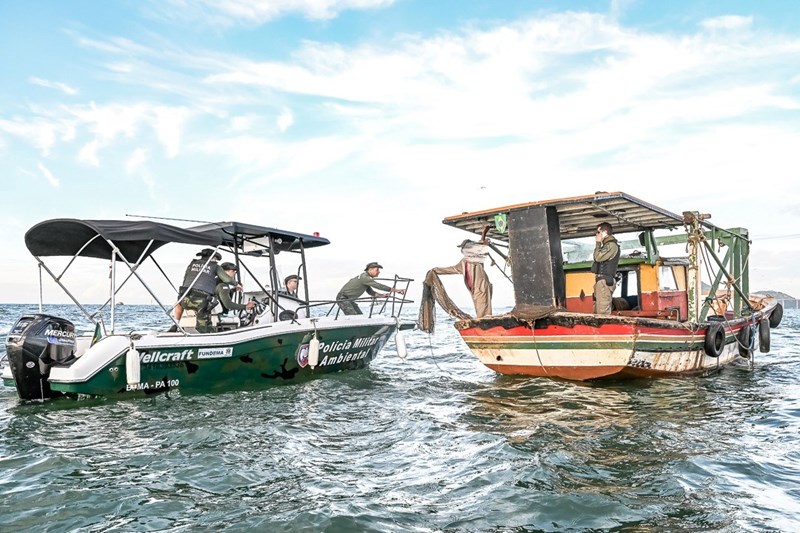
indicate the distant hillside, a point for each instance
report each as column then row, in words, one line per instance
column 777, row 294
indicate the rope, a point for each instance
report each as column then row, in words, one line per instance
column 430, row 345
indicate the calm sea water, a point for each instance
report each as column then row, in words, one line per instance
column 435, row 443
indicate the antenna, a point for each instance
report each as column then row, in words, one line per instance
column 172, row 219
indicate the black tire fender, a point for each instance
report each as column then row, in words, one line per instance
column 744, row 340
column 763, row 335
column 715, row 339
column 776, row 316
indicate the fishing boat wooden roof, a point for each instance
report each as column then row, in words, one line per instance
column 578, row 215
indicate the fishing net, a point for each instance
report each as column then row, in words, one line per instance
column 433, row 292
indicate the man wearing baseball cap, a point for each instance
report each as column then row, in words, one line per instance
column 223, row 290
column 354, row 288
column 290, row 282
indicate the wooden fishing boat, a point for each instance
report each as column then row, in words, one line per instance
column 663, row 324
column 279, row 341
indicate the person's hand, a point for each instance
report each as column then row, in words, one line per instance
column 399, row 291
column 239, row 288
column 251, row 304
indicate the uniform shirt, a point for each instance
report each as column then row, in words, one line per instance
column 224, row 294
column 363, row 282
column 605, row 249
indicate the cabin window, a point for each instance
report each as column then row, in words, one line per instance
column 666, row 279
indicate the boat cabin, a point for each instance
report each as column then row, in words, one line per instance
column 654, row 291
column 533, row 236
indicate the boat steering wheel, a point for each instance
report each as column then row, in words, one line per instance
column 248, row 316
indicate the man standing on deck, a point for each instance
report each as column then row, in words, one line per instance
column 475, row 278
column 606, row 259
column 356, row 287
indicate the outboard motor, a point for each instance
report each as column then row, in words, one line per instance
column 35, row 344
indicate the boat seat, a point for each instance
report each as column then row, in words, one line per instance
column 189, row 320
column 222, row 321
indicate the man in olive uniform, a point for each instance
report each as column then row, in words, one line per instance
column 606, row 259
column 223, row 290
column 354, row 288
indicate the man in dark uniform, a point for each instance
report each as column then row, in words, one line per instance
column 356, row 287
column 201, row 275
column 606, row 259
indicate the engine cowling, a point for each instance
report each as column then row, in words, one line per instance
column 34, row 345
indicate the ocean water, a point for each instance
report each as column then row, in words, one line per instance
column 433, row 443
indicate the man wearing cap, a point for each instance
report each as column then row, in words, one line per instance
column 200, row 281
column 290, row 282
column 475, row 278
column 223, row 291
column 354, row 288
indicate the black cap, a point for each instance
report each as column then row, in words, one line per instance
column 373, row 265
column 287, row 279
column 228, row 266
column 205, row 252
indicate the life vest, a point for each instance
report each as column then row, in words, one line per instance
column 207, row 281
column 607, row 269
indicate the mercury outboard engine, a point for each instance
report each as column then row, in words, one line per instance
column 35, row 344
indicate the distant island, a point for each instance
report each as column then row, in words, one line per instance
column 788, row 302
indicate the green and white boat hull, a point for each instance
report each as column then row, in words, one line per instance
column 247, row 358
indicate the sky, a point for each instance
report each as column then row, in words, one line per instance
column 369, row 121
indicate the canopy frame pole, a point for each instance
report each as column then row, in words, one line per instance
column 113, row 281
column 273, row 277
column 41, row 293
column 305, row 275
column 132, row 268
column 74, row 257
column 58, row 281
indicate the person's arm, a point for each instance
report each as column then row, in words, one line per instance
column 605, row 251
column 455, row 269
column 223, row 293
column 372, row 284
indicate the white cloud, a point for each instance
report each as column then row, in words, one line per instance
column 52, row 180
column 228, row 12
column 136, row 161
column 40, row 132
column 169, row 124
column 63, row 87
column 88, row 154
column 285, row 120
column 727, row 22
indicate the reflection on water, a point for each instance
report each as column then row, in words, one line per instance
column 436, row 443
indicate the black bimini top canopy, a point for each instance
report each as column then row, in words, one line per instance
column 67, row 237
column 244, row 236
column 578, row 216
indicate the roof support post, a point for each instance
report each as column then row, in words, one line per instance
column 536, row 261
column 693, row 278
